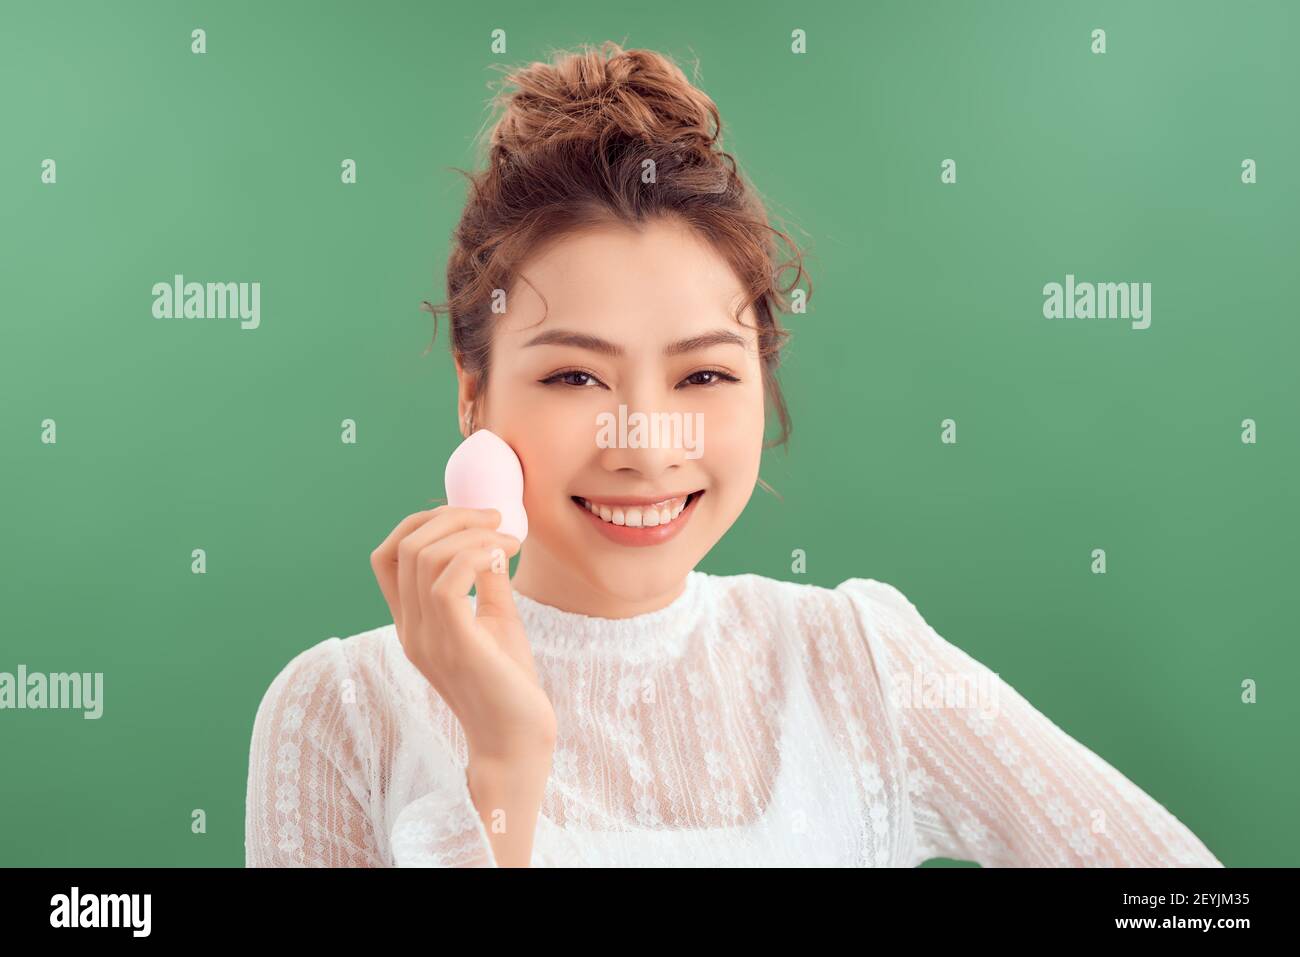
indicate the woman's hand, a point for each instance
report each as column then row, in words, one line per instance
column 477, row 659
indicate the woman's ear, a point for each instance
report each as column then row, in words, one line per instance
column 465, row 390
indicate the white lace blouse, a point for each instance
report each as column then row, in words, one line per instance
column 752, row 722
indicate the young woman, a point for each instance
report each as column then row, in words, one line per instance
column 610, row 705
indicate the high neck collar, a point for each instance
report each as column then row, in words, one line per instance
column 650, row 635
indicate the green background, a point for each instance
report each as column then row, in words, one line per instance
column 927, row 304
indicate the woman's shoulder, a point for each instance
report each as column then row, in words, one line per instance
column 854, row 606
column 749, row 588
column 338, row 668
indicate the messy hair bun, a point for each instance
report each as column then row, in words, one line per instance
column 569, row 151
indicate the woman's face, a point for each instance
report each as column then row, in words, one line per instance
column 641, row 320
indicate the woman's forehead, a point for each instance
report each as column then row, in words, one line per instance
column 613, row 333
column 658, row 263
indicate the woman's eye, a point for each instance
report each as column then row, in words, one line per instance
column 720, row 377
column 565, row 378
column 577, row 379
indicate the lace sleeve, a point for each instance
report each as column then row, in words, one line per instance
column 316, row 785
column 307, row 801
column 442, row 828
column 993, row 780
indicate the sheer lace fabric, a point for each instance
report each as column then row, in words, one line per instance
column 752, row 722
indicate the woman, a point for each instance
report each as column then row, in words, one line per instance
column 610, row 705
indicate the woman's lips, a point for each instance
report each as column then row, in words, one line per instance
column 645, row 535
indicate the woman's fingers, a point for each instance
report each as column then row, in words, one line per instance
column 434, row 557
column 383, row 560
column 493, row 595
column 447, row 598
column 445, row 521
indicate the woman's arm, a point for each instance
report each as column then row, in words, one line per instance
column 303, row 807
column 310, row 775
column 992, row 779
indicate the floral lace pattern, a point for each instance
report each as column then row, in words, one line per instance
column 751, row 722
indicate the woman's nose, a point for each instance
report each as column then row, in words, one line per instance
column 652, row 441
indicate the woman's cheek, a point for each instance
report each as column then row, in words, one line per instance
column 733, row 456
column 548, row 447
column 539, row 421
column 735, row 427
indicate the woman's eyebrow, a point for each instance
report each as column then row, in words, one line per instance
column 582, row 340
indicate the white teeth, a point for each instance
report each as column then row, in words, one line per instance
column 636, row 516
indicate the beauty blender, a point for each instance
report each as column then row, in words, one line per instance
column 484, row 472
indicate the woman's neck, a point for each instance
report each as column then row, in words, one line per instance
column 551, row 580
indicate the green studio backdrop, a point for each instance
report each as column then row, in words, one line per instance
column 1072, row 435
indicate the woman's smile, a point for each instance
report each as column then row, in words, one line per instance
column 638, row 520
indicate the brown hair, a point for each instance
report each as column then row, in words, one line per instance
column 568, row 153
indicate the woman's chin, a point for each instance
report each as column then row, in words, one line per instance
column 637, row 575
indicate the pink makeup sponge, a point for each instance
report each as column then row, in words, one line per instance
column 484, row 472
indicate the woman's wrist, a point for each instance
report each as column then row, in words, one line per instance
column 508, row 797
